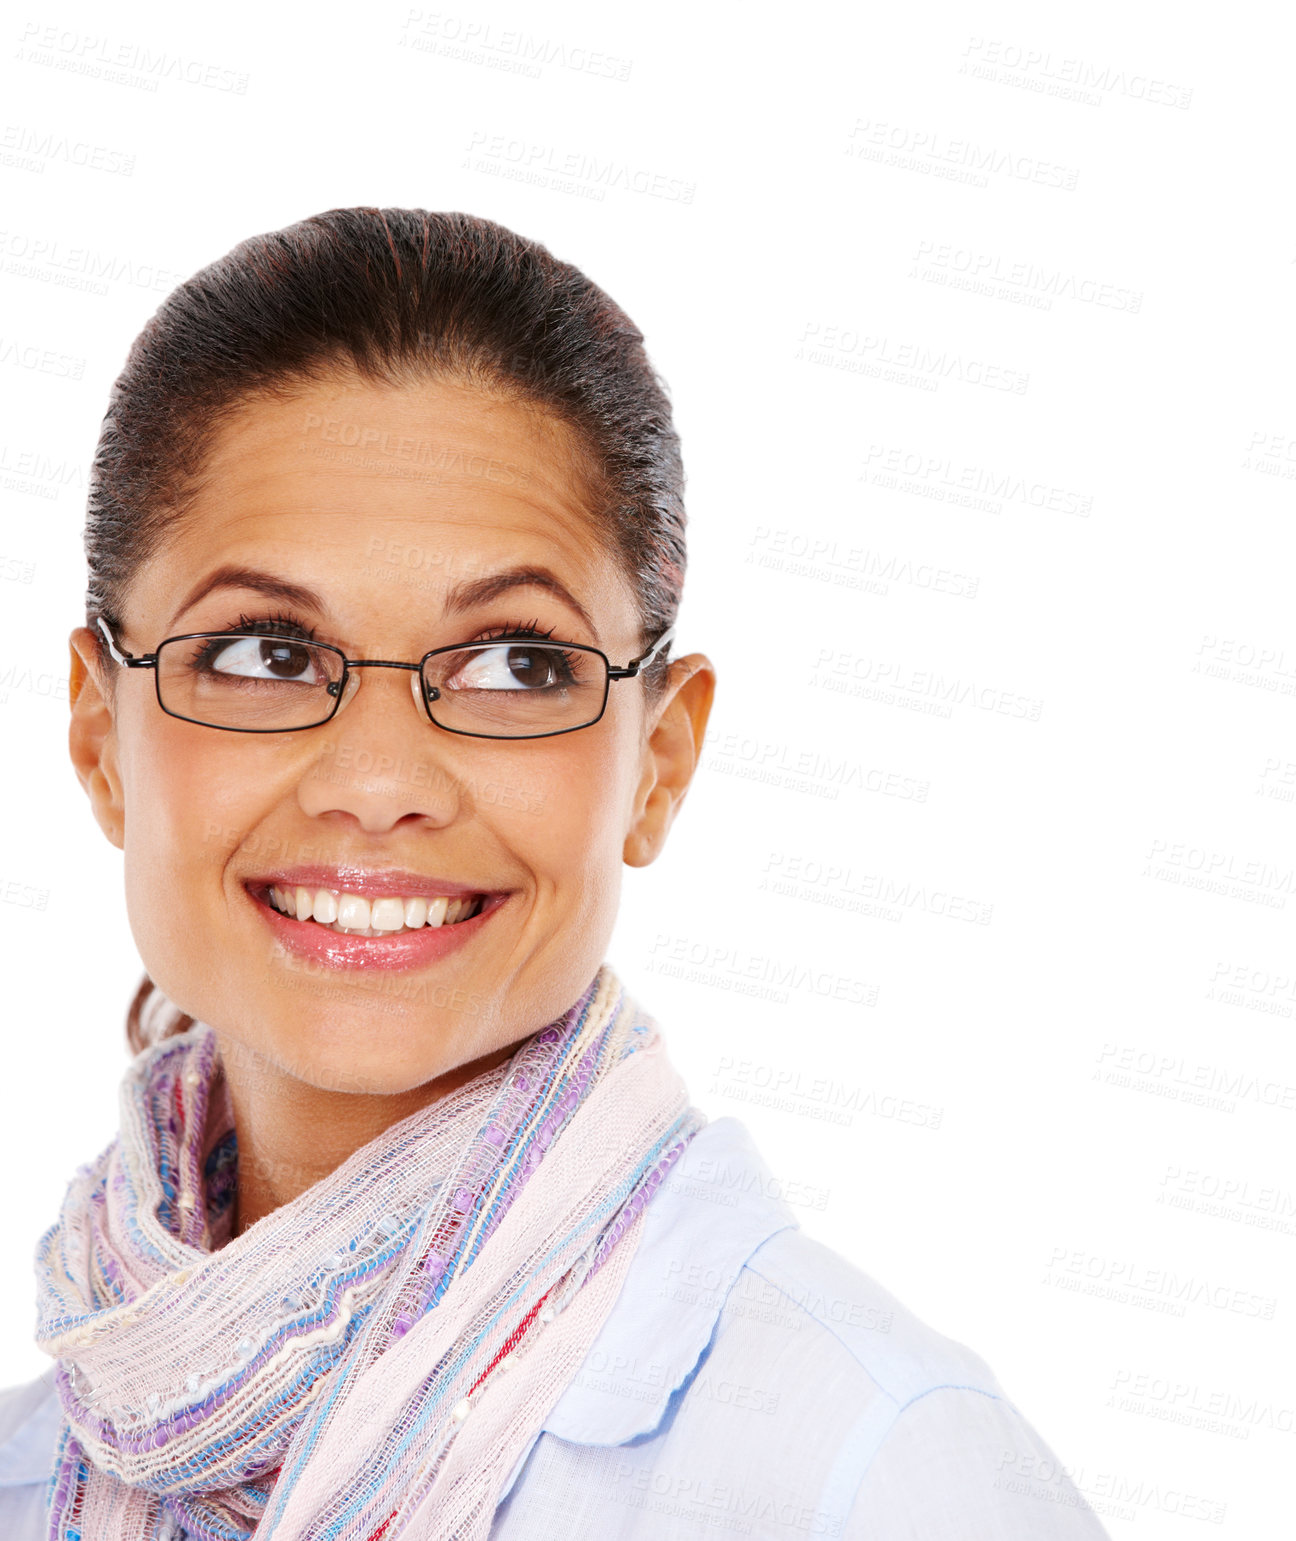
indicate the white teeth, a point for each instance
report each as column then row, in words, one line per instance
column 387, row 914
column 352, row 913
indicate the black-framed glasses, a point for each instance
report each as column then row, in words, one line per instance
column 255, row 682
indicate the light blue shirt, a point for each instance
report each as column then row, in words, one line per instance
column 747, row 1380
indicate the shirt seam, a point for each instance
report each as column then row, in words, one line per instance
column 891, row 1428
column 899, row 1408
column 854, row 1353
column 953, row 1386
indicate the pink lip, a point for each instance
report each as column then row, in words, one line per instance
column 402, row 950
column 369, row 882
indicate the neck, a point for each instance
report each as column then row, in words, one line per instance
column 291, row 1134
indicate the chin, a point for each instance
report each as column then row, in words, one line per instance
column 379, row 1053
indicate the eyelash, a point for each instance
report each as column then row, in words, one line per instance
column 281, row 623
column 532, row 630
column 278, row 622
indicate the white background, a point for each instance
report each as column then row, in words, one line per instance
column 977, row 323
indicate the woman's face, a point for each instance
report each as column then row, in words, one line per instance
column 408, row 519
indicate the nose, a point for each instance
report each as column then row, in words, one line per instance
column 353, row 684
column 380, row 763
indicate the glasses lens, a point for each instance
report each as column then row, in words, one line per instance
column 515, row 689
column 240, row 680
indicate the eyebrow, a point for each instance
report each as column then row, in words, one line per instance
column 480, row 591
column 232, row 577
column 463, row 596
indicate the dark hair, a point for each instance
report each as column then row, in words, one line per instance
column 401, row 297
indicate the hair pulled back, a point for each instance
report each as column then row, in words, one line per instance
column 399, row 297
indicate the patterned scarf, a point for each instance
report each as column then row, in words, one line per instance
column 371, row 1359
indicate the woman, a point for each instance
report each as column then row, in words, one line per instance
column 410, row 1227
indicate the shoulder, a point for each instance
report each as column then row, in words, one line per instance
column 723, row 1254
column 751, row 1376
column 925, row 1441
column 30, row 1417
column 798, row 1285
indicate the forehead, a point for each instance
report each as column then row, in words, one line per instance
column 365, row 491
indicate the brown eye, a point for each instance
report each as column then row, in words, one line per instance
column 531, row 666
column 511, row 666
column 258, row 658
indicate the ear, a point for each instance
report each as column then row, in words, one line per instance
column 92, row 741
column 671, row 752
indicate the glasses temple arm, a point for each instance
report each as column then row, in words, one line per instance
column 635, row 664
column 128, row 660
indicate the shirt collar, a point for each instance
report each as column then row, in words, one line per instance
column 710, row 1214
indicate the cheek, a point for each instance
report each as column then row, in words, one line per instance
column 566, row 810
column 191, row 797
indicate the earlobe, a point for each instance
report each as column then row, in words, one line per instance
column 670, row 757
column 92, row 742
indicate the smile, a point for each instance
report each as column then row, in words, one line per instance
column 351, row 914
column 348, row 917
